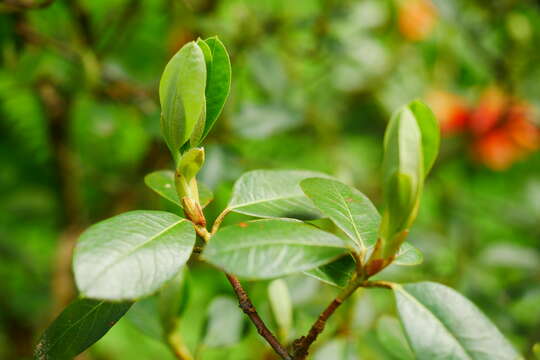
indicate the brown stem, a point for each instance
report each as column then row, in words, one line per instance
column 301, row 345
column 243, row 298
column 249, row 309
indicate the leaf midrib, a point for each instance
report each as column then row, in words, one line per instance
column 93, row 309
column 131, row 251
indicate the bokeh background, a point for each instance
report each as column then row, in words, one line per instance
column 314, row 83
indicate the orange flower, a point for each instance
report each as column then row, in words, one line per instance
column 416, row 18
column 450, row 109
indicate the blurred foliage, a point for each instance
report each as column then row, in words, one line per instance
column 313, row 84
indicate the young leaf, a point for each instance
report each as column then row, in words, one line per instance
column 408, row 255
column 225, row 323
column 281, row 305
column 162, row 182
column 182, row 95
column 393, row 339
column 402, row 177
column 144, row 316
column 80, row 325
column 265, row 249
column 347, row 207
column 131, row 255
column 429, row 129
column 218, row 83
column 273, row 194
column 442, row 324
column 172, row 300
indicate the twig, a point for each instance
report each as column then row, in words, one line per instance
column 249, row 309
column 243, row 298
column 301, row 345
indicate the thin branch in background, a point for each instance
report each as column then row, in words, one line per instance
column 24, row 5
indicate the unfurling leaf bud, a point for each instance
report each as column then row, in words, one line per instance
column 182, row 96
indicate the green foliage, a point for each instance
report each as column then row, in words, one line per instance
column 181, row 93
column 314, row 85
column 274, row 194
column 441, row 323
column 265, row 249
column 348, row 208
column 131, row 255
column 79, row 326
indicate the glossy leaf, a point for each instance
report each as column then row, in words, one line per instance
column 281, row 305
column 162, row 182
column 430, row 132
column 218, row 83
column 266, row 249
column 182, row 95
column 402, row 177
column 347, row 207
column 442, row 324
column 273, row 194
column 225, row 323
column 80, row 325
column 131, row 255
column 393, row 339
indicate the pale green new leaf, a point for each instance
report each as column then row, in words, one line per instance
column 347, row 207
column 281, row 305
column 131, row 255
column 172, row 300
column 182, row 95
column 408, row 255
column 430, row 132
column 442, row 324
column 393, row 339
column 79, row 326
column 218, row 83
column 225, row 323
column 273, row 194
column 271, row 248
column 402, row 177
column 162, row 182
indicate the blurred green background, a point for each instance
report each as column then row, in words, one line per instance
column 314, row 83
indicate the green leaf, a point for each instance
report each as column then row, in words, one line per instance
column 442, row 324
column 225, row 323
column 144, row 316
column 273, row 194
column 172, row 300
column 347, row 207
column 182, row 95
column 218, row 83
column 339, row 272
column 265, row 249
column 430, row 132
column 393, row 339
column 408, row 255
column 131, row 255
column 281, row 305
column 162, row 182
column 402, row 178
column 80, row 325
